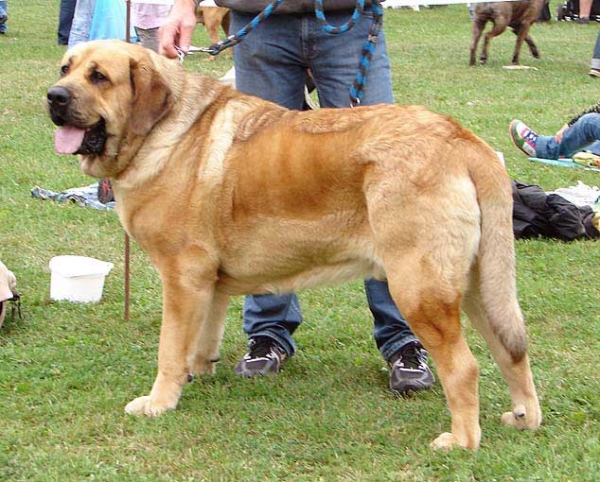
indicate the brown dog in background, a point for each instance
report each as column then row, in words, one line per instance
column 229, row 194
column 519, row 16
column 212, row 18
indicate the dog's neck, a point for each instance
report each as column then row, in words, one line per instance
column 146, row 155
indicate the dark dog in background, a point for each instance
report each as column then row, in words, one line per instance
column 519, row 16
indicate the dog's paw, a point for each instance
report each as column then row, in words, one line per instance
column 522, row 419
column 147, row 406
column 448, row 441
column 445, row 441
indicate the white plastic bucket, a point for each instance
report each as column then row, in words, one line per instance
column 77, row 278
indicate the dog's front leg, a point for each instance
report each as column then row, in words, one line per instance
column 477, row 31
column 186, row 308
column 210, row 335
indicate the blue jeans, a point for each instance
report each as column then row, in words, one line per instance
column 82, row 22
column 585, row 133
column 271, row 62
column 65, row 19
column 3, row 14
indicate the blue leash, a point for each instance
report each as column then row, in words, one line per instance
column 358, row 10
column 356, row 91
column 232, row 40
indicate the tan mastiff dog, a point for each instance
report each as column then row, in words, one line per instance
column 229, row 194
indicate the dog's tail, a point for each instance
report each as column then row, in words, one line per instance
column 496, row 270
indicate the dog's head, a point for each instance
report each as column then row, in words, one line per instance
column 109, row 96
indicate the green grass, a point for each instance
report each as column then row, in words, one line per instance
column 67, row 370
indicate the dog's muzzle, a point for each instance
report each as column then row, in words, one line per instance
column 72, row 137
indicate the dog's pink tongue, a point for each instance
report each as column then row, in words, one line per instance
column 68, row 139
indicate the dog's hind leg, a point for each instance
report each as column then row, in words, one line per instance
column 432, row 308
column 427, row 255
column 514, row 364
column 478, row 27
column 225, row 23
column 522, row 35
column 532, row 47
column 210, row 336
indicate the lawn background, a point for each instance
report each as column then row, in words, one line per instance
column 67, row 370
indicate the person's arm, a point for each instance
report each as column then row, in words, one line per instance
column 559, row 135
column 178, row 29
column 590, row 110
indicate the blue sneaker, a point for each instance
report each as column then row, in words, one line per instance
column 523, row 137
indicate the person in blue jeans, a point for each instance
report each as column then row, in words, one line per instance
column 273, row 62
column 66, row 13
column 579, row 138
column 3, row 16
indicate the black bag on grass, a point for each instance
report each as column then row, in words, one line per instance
column 537, row 214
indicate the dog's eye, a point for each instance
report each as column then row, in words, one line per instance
column 64, row 69
column 98, row 76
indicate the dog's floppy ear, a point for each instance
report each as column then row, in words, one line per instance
column 152, row 97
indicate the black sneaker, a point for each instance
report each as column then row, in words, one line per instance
column 409, row 371
column 264, row 357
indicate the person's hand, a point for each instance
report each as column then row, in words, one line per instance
column 178, row 29
column 559, row 135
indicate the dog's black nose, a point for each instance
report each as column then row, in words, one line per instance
column 58, row 96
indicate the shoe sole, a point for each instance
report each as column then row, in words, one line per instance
column 255, row 373
column 410, row 391
column 407, row 394
column 247, row 374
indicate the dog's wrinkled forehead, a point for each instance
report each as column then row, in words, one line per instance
column 96, row 64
